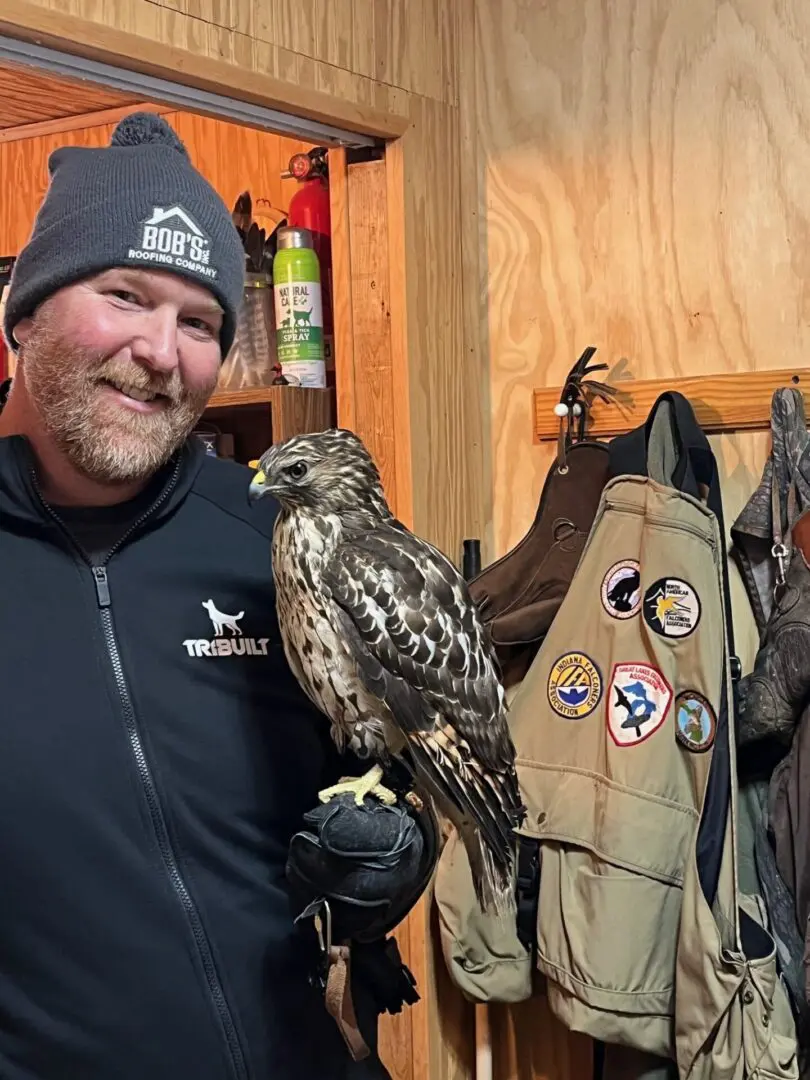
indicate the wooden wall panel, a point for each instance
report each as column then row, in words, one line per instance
column 373, row 384
column 642, row 165
column 447, row 394
column 528, row 1043
column 144, row 36
column 232, row 157
column 24, row 179
column 406, row 44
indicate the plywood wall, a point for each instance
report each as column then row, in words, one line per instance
column 641, row 171
column 636, row 181
column 232, row 157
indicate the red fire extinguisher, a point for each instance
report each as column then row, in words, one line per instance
column 309, row 209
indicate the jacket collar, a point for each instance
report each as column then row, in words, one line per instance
column 20, row 499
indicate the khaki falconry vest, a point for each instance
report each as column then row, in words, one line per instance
column 626, row 761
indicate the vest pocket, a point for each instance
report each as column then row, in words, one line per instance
column 768, row 1027
column 607, row 940
column 483, row 954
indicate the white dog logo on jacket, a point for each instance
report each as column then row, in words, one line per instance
column 220, row 620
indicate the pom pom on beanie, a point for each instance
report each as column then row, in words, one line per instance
column 145, row 127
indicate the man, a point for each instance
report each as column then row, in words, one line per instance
column 156, row 754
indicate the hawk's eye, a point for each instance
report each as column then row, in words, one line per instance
column 298, row 470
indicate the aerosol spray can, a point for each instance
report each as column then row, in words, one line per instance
column 299, row 308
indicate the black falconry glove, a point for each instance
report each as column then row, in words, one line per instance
column 354, row 874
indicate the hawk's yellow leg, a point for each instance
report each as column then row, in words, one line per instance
column 360, row 786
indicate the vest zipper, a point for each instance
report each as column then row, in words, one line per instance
column 156, row 814
column 666, row 523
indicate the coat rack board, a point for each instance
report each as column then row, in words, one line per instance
column 735, row 402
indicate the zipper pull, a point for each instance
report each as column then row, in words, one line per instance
column 102, row 586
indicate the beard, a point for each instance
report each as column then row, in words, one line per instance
column 104, row 440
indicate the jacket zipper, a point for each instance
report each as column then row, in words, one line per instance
column 155, row 809
column 680, row 526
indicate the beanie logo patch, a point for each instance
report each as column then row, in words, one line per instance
column 171, row 237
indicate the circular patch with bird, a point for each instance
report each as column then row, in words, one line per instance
column 621, row 589
column 574, row 686
column 695, row 722
column 671, row 607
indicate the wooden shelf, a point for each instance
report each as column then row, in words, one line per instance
column 734, row 402
column 293, row 408
column 259, row 395
column 266, row 414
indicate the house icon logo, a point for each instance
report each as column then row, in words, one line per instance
column 171, row 237
column 174, row 213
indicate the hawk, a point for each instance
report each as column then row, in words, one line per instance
column 383, row 636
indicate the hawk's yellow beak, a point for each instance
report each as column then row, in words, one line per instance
column 257, row 488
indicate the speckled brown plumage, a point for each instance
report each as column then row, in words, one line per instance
column 380, row 630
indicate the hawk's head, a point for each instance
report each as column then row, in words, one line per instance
column 329, row 472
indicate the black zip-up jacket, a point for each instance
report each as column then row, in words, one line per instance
column 156, row 755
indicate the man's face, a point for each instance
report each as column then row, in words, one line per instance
column 120, row 367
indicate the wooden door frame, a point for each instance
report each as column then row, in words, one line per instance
column 29, row 22
column 369, row 301
column 440, row 1027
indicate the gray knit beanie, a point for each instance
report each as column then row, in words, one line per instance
column 137, row 202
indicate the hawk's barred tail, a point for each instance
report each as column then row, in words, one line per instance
column 498, row 866
column 493, row 878
column 484, row 805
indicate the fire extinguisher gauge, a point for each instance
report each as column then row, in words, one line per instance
column 300, row 165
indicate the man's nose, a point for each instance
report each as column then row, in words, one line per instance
column 156, row 344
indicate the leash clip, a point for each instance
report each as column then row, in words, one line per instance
column 780, row 552
column 324, row 939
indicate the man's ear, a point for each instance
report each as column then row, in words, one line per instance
column 22, row 330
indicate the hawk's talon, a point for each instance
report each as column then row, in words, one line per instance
column 360, row 786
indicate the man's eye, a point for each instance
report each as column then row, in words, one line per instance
column 201, row 325
column 127, row 297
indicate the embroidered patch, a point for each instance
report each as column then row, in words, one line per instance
column 695, row 722
column 638, row 701
column 671, row 607
column 621, row 589
column 574, row 686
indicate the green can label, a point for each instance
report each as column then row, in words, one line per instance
column 299, row 331
column 299, row 315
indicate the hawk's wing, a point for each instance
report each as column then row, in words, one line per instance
column 420, row 646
